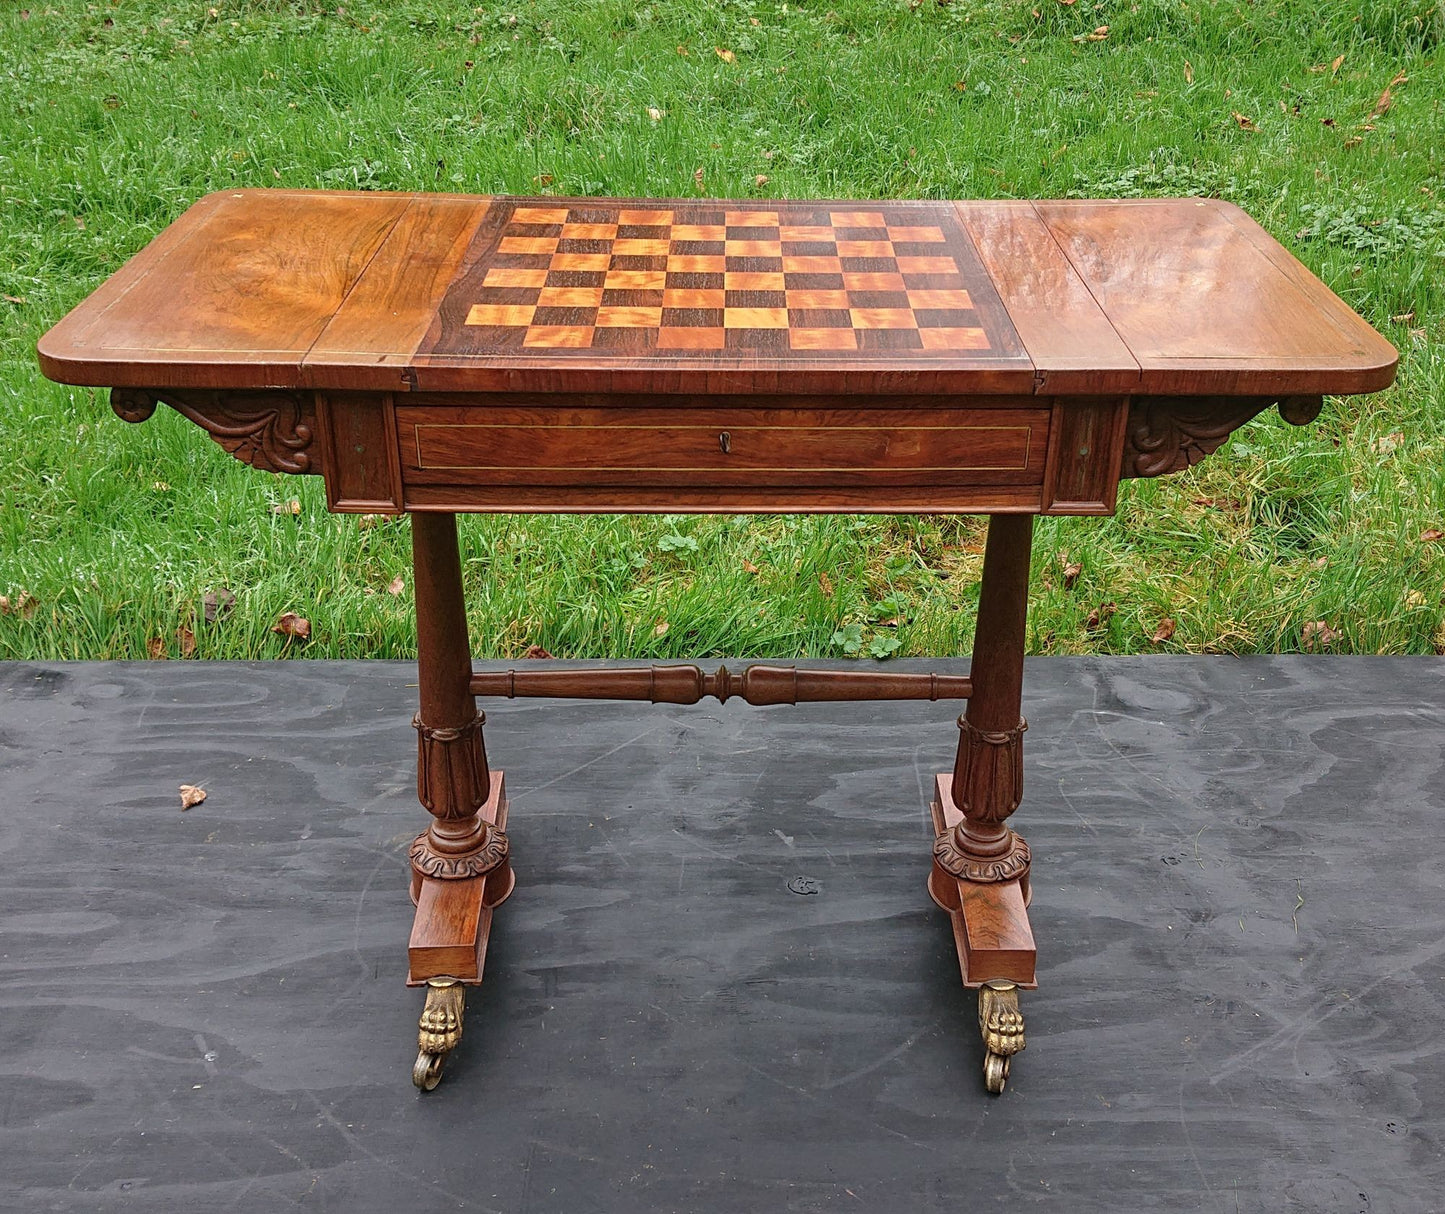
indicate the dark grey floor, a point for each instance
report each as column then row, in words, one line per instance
column 1239, row 899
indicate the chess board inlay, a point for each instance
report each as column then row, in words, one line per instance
column 693, row 279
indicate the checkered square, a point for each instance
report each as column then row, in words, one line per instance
column 700, row 277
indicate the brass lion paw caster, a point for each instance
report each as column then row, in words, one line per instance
column 1002, row 1026
column 439, row 1030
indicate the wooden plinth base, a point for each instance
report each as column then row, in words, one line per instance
column 454, row 918
column 990, row 921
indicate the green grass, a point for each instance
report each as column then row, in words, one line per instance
column 115, row 116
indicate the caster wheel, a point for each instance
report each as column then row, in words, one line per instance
column 995, row 1072
column 426, row 1072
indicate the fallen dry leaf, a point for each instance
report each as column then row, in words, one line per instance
column 292, row 625
column 683, row 51
column 1071, row 574
column 1354, row 141
column 15, row 299
column 1404, row 318
column 191, row 794
column 1164, row 631
column 1387, row 443
column 543, row 179
column 749, row 567
column 291, row 507
column 1098, row 35
column 1336, row 65
column 187, row 640
column 536, row 652
column 216, row 603
column 1414, row 599
column 654, row 113
column 725, row 55
column 1317, row 635
column 825, row 584
column 1434, row 535
column 156, row 647
column 761, row 179
column 660, row 628
column 1217, row 503
column 1099, row 616
column 1188, row 72
column 23, row 604
column 697, row 177
column 1382, row 106
column 364, row 521
column 1245, row 124
column 396, row 585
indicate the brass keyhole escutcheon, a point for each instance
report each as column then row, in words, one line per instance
column 725, row 441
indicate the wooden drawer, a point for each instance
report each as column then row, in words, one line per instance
column 719, row 453
column 628, row 453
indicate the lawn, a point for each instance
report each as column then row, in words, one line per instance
column 1323, row 119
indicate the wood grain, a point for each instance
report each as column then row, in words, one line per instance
column 991, row 930
column 1073, row 346
column 237, row 292
column 723, row 448
column 383, row 319
column 1203, row 307
column 453, row 920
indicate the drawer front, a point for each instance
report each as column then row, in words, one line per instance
column 705, row 448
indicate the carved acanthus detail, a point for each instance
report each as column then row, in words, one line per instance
column 452, row 779
column 493, row 853
column 956, row 862
column 268, row 429
column 988, row 784
column 1168, row 434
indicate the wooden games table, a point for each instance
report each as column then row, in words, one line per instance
column 434, row 354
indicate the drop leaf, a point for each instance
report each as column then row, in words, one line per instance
column 191, row 794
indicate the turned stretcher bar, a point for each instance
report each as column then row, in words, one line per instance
column 756, row 685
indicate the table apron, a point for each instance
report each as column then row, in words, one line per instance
column 385, row 452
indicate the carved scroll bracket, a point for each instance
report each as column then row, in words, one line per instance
column 268, row 429
column 1168, row 434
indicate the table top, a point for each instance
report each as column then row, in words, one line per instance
column 376, row 292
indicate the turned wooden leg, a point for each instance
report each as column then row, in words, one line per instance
column 460, row 867
column 980, row 868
